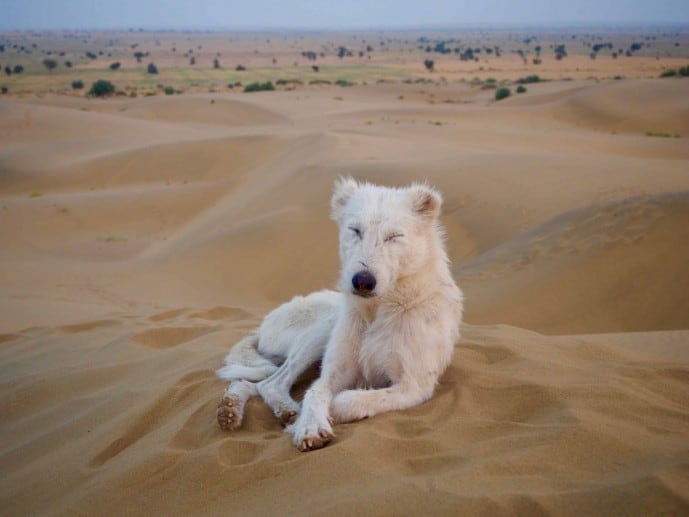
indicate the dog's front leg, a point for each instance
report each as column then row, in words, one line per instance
column 350, row 405
column 313, row 428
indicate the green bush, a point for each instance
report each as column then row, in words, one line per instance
column 77, row 85
column 683, row 71
column 344, row 83
column 169, row 90
column 529, row 79
column 102, row 88
column 502, row 93
column 521, row 89
column 668, row 73
column 259, row 87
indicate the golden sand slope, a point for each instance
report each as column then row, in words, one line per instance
column 141, row 238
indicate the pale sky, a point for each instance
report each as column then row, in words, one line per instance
column 322, row 14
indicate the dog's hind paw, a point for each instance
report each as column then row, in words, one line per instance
column 286, row 416
column 230, row 413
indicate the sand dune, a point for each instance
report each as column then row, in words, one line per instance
column 141, row 238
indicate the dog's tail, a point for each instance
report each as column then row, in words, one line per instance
column 245, row 362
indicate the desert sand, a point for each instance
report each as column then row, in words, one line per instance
column 142, row 237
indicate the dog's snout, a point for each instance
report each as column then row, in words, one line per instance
column 364, row 283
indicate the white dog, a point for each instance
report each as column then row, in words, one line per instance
column 384, row 338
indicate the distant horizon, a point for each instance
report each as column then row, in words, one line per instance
column 346, row 15
column 365, row 28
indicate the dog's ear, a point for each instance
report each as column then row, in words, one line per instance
column 425, row 200
column 345, row 187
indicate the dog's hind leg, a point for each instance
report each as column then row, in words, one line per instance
column 230, row 411
column 275, row 390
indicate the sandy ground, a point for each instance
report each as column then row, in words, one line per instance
column 142, row 237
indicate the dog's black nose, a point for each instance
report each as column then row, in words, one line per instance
column 364, row 283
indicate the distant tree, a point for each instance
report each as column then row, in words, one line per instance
column 77, row 85
column 4, row 90
column 192, row 60
column 429, row 64
column 18, row 69
column 216, row 63
column 310, row 55
column 114, row 66
column 68, row 64
column 521, row 89
column 315, row 68
column 560, row 52
column 91, row 55
column 152, row 69
column 102, row 88
column 50, row 64
column 8, row 70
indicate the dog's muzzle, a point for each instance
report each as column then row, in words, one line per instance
column 363, row 283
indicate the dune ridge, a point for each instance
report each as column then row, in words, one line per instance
column 142, row 238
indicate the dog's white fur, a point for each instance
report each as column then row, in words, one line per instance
column 384, row 347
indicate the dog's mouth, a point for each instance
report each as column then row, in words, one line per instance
column 364, row 294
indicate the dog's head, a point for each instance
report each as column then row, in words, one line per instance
column 386, row 234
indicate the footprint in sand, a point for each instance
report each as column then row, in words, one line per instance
column 85, row 327
column 168, row 337
column 186, row 392
column 223, row 313
column 167, row 315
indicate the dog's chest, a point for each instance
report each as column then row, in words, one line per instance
column 378, row 361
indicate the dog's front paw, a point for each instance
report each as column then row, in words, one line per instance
column 311, row 436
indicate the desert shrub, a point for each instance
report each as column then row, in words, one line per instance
column 102, row 88
column 216, row 63
column 114, row 66
column 668, row 73
column 152, row 69
column 259, row 87
column 4, row 90
column 169, row 90
column 344, row 83
column 683, row 71
column 91, row 55
column 68, row 64
column 502, row 93
column 77, row 85
column 529, row 79
column 429, row 64
column 240, row 68
column 18, row 69
column 521, row 89
column 285, row 82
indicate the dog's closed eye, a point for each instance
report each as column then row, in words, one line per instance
column 393, row 236
column 356, row 231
